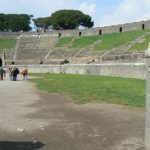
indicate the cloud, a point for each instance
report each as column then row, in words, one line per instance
column 38, row 8
column 88, row 8
column 45, row 8
column 127, row 11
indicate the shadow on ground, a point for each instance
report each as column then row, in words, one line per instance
column 14, row 145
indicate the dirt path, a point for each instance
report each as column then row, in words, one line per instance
column 32, row 119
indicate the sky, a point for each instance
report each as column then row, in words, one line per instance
column 103, row 12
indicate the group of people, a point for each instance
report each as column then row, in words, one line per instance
column 13, row 73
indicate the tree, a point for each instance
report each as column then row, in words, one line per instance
column 19, row 22
column 42, row 22
column 65, row 19
column 86, row 21
column 2, row 20
column 15, row 22
column 70, row 19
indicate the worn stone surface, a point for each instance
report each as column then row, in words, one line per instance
column 131, row 70
column 147, row 127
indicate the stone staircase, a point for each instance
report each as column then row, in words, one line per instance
column 9, row 55
column 57, row 55
column 122, row 53
column 34, row 49
column 83, row 55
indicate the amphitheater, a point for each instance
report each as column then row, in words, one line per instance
column 38, row 52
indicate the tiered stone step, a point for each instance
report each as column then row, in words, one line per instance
column 34, row 48
column 9, row 54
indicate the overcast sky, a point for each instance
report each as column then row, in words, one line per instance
column 103, row 12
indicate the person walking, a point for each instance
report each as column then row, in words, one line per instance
column 15, row 73
column 25, row 74
column 1, row 73
column 4, row 71
column 10, row 73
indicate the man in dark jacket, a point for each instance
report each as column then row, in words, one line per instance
column 15, row 72
column 1, row 73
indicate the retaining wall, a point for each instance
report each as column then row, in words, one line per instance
column 142, row 25
column 131, row 70
column 9, row 35
column 104, row 30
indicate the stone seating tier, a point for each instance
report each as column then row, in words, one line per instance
column 34, row 47
column 9, row 54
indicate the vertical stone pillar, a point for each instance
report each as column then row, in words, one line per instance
column 147, row 123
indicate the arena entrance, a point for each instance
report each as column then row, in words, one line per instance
column 0, row 62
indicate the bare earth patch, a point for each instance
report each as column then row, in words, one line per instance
column 33, row 119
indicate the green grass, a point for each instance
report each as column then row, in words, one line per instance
column 63, row 41
column 85, row 41
column 109, row 41
column 118, row 39
column 141, row 46
column 88, row 89
column 7, row 44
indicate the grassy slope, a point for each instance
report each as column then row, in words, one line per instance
column 109, row 41
column 87, row 89
column 142, row 46
column 63, row 41
column 7, row 44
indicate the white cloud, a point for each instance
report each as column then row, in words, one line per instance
column 87, row 8
column 44, row 8
column 38, row 8
column 128, row 11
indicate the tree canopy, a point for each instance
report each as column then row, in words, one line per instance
column 42, row 22
column 65, row 19
column 15, row 22
column 62, row 19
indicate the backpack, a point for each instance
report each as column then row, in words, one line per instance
column 17, row 71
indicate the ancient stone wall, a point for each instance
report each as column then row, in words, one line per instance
column 104, row 30
column 85, row 32
column 131, row 70
column 9, row 35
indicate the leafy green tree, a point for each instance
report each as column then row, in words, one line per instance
column 42, row 22
column 15, row 22
column 65, row 19
column 70, row 19
column 86, row 21
column 19, row 23
column 2, row 20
